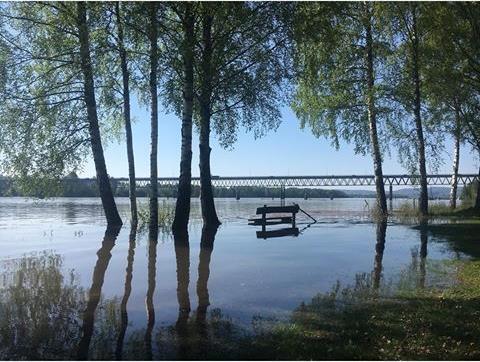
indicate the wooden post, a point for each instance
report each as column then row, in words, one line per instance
column 264, row 215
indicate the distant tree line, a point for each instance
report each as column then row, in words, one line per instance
column 73, row 188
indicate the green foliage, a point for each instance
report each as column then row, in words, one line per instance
column 250, row 70
column 332, row 89
column 45, row 131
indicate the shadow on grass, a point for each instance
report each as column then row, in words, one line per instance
column 461, row 237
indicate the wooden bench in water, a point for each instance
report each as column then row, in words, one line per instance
column 275, row 220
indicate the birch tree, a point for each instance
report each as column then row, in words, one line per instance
column 339, row 91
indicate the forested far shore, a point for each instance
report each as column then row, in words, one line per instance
column 90, row 189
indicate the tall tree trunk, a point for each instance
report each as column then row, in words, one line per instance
column 209, row 214
column 104, row 255
column 126, row 116
column 423, row 203
column 153, row 38
column 104, row 187
column 372, row 117
column 456, row 159
column 182, row 209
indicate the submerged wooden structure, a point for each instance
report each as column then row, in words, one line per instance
column 269, row 215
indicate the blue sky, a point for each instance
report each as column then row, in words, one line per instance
column 287, row 151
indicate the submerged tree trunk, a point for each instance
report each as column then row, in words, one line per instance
column 182, row 209
column 104, row 187
column 126, row 116
column 456, row 159
column 153, row 38
column 423, row 202
column 209, row 214
column 372, row 118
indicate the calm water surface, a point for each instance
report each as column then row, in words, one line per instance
column 55, row 264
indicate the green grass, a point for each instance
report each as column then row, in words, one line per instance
column 166, row 213
column 406, row 213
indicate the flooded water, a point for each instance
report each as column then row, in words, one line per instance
column 70, row 290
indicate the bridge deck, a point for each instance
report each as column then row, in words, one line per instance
column 310, row 181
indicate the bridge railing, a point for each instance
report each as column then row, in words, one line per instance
column 312, row 181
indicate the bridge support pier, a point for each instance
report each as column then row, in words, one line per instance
column 282, row 194
column 237, row 194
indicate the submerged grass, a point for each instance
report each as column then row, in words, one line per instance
column 166, row 213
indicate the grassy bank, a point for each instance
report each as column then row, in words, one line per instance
column 406, row 212
column 439, row 325
column 411, row 318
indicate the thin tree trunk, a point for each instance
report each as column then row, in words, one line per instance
column 456, row 160
column 153, row 37
column 182, row 209
column 104, row 187
column 423, row 203
column 372, row 117
column 209, row 214
column 126, row 116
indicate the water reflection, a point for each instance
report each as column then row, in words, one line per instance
column 182, row 255
column 127, row 292
column 423, row 252
column 381, row 231
column 152, row 269
column 206, row 248
column 104, row 256
column 37, row 306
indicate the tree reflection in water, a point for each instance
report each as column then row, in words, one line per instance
column 104, row 256
column 381, row 231
column 127, row 292
column 182, row 254
column 41, row 312
column 152, row 270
